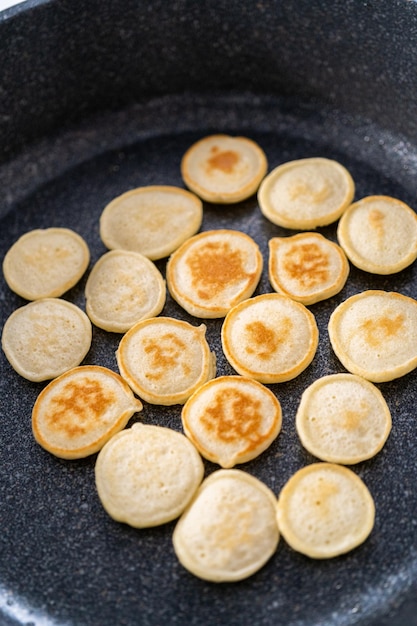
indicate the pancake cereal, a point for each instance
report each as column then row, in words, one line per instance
column 153, row 220
column 270, row 338
column 232, row 419
column 78, row 412
column 164, row 360
column 123, row 288
column 213, row 271
column 45, row 263
column 343, row 418
column 146, row 475
column 374, row 334
column 379, row 234
column 325, row 510
column 45, row 338
column 307, row 267
column 229, row 530
column 224, row 169
column 306, row 193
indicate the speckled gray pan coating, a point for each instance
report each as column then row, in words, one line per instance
column 100, row 97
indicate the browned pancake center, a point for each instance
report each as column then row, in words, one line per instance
column 78, row 407
column 224, row 160
column 264, row 340
column 235, row 416
column 376, row 220
column 214, row 266
column 352, row 420
column 323, row 494
column 167, row 351
column 307, row 263
column 302, row 190
column 377, row 331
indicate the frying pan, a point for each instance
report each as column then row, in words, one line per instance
column 98, row 97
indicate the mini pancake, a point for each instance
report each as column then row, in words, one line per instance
column 229, row 531
column 232, row 419
column 307, row 267
column 45, row 263
column 379, row 234
column 343, row 418
column 146, row 475
column 165, row 360
column 224, row 169
column 374, row 334
column 306, row 193
column 325, row 510
column 270, row 338
column 78, row 412
column 45, row 338
column 213, row 271
column 122, row 289
column 153, row 220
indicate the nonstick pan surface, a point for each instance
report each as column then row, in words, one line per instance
column 63, row 561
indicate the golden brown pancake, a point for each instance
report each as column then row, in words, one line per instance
column 231, row 419
column 78, row 412
column 374, row 334
column 224, row 169
column 165, row 360
column 343, row 418
column 271, row 338
column 307, row 267
column 379, row 234
column 213, row 271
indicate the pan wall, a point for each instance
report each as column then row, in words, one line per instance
column 62, row 61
